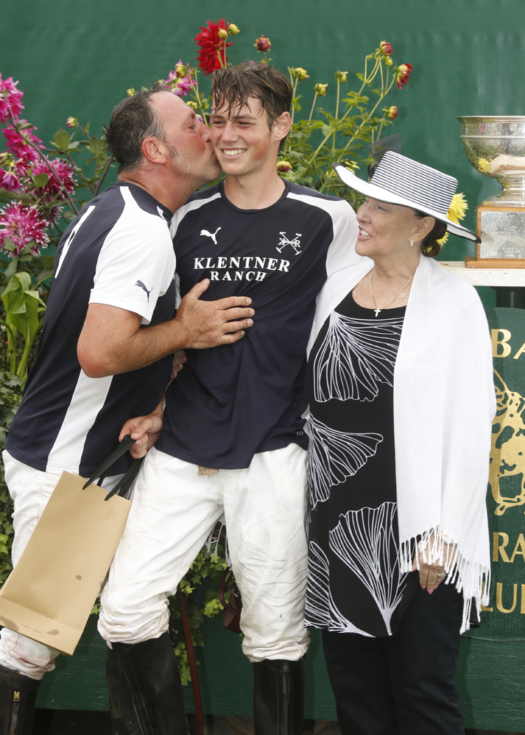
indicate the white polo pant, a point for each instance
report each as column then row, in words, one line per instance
column 30, row 490
column 174, row 510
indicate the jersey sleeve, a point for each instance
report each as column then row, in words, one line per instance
column 136, row 265
column 341, row 253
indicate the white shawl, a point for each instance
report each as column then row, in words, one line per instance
column 444, row 403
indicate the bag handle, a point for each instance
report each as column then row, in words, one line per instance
column 123, row 485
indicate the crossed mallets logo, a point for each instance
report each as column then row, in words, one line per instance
column 284, row 241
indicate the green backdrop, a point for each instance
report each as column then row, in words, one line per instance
column 78, row 57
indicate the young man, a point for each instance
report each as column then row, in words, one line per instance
column 96, row 362
column 233, row 439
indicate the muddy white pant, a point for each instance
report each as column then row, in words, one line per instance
column 30, row 490
column 174, row 509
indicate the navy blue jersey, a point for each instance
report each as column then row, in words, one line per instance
column 118, row 251
column 233, row 401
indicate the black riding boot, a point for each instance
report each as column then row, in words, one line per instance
column 278, row 697
column 17, row 702
column 145, row 693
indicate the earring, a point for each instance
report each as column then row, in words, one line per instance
column 411, row 243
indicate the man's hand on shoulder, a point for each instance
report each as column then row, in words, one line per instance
column 212, row 323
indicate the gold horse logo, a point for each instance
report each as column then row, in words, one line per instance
column 507, row 457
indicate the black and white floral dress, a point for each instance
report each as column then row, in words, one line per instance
column 354, row 584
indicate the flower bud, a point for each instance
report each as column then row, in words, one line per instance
column 298, row 73
column 180, row 70
column 341, row 76
column 223, row 33
column 71, row 122
column 263, row 44
column 385, row 48
column 402, row 73
column 284, row 166
column 130, row 92
column 320, row 89
column 192, row 104
column 232, row 29
column 388, row 61
column 391, row 112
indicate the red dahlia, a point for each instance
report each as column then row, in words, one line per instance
column 212, row 54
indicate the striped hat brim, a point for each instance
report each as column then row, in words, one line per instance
column 383, row 195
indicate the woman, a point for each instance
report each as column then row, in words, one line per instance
column 402, row 402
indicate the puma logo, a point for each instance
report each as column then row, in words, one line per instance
column 143, row 287
column 213, row 235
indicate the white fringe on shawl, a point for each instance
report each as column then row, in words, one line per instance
column 444, row 403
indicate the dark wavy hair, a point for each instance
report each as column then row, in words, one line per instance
column 429, row 245
column 235, row 85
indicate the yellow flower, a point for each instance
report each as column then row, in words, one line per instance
column 456, row 211
column 320, row 89
column 483, row 165
column 130, row 92
column 232, row 29
column 223, row 33
column 458, row 208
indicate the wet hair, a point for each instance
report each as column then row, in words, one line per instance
column 133, row 120
column 235, row 85
column 429, row 245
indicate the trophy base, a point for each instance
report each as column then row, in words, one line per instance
column 473, row 262
column 501, row 229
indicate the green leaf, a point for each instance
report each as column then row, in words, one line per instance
column 11, row 268
column 62, row 138
column 96, row 146
column 327, row 130
column 40, row 180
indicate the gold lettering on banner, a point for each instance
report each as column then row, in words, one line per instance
column 503, row 342
column 499, row 596
column 507, row 456
column 519, row 549
column 499, row 548
column 522, row 611
column 520, row 351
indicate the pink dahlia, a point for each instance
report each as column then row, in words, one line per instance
column 22, row 225
column 10, row 97
column 9, row 180
column 17, row 141
column 212, row 46
column 180, row 81
column 64, row 179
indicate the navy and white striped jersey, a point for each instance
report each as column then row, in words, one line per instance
column 118, row 251
column 233, row 401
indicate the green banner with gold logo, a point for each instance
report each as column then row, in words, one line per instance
column 504, row 617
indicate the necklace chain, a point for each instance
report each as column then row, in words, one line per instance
column 376, row 308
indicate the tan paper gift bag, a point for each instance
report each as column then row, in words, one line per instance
column 50, row 593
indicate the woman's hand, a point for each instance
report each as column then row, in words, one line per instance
column 145, row 430
column 431, row 575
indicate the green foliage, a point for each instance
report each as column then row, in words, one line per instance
column 207, row 567
column 11, row 388
column 22, row 307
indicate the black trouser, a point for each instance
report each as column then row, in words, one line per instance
column 403, row 684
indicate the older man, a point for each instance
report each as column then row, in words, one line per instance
column 108, row 336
